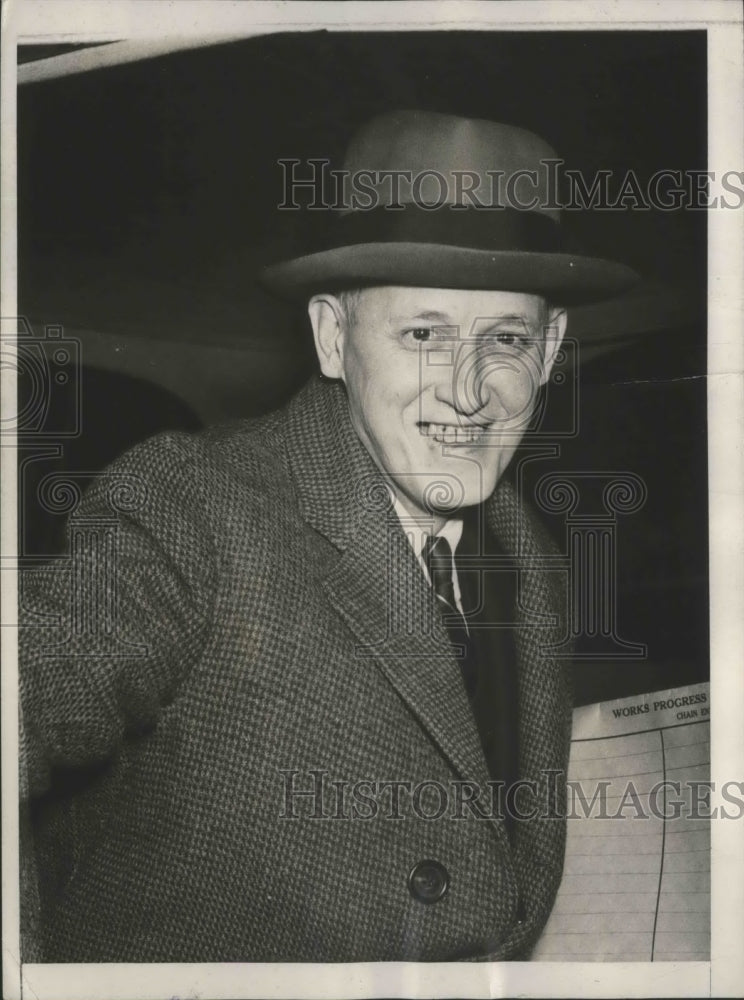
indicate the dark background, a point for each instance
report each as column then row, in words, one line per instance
column 147, row 202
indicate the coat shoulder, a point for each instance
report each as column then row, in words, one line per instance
column 235, row 463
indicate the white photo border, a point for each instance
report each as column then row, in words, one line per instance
column 142, row 26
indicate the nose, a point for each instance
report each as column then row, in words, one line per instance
column 464, row 385
column 490, row 385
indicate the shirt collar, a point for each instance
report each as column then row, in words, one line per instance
column 416, row 535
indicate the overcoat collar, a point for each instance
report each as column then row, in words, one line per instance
column 376, row 583
column 377, row 586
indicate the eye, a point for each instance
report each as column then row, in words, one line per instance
column 517, row 339
column 419, row 334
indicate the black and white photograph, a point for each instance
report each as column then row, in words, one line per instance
column 372, row 478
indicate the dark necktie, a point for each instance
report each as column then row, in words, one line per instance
column 437, row 555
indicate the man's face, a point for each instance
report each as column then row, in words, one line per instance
column 441, row 384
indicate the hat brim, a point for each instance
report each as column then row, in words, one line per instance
column 563, row 279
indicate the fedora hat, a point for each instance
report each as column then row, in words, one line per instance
column 439, row 201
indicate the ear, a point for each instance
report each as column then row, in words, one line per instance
column 329, row 331
column 555, row 330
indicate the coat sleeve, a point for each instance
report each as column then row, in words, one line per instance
column 107, row 634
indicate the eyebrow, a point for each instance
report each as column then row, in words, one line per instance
column 495, row 322
column 431, row 316
column 444, row 319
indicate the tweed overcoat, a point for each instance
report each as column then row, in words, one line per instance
column 240, row 621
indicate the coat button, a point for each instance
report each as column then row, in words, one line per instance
column 428, row 881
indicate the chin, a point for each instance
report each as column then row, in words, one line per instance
column 442, row 500
column 477, row 486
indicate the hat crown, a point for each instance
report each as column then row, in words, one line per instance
column 414, row 184
column 426, row 157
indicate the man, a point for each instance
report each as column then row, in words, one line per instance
column 307, row 733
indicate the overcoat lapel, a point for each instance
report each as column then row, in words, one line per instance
column 398, row 627
column 375, row 582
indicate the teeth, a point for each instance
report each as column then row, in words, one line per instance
column 450, row 434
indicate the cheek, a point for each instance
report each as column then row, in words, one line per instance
column 385, row 418
column 384, row 392
column 392, row 394
column 517, row 391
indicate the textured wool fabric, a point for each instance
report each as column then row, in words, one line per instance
column 267, row 634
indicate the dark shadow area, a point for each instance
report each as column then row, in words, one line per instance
column 652, row 427
column 118, row 411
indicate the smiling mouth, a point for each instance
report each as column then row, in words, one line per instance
column 453, row 433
